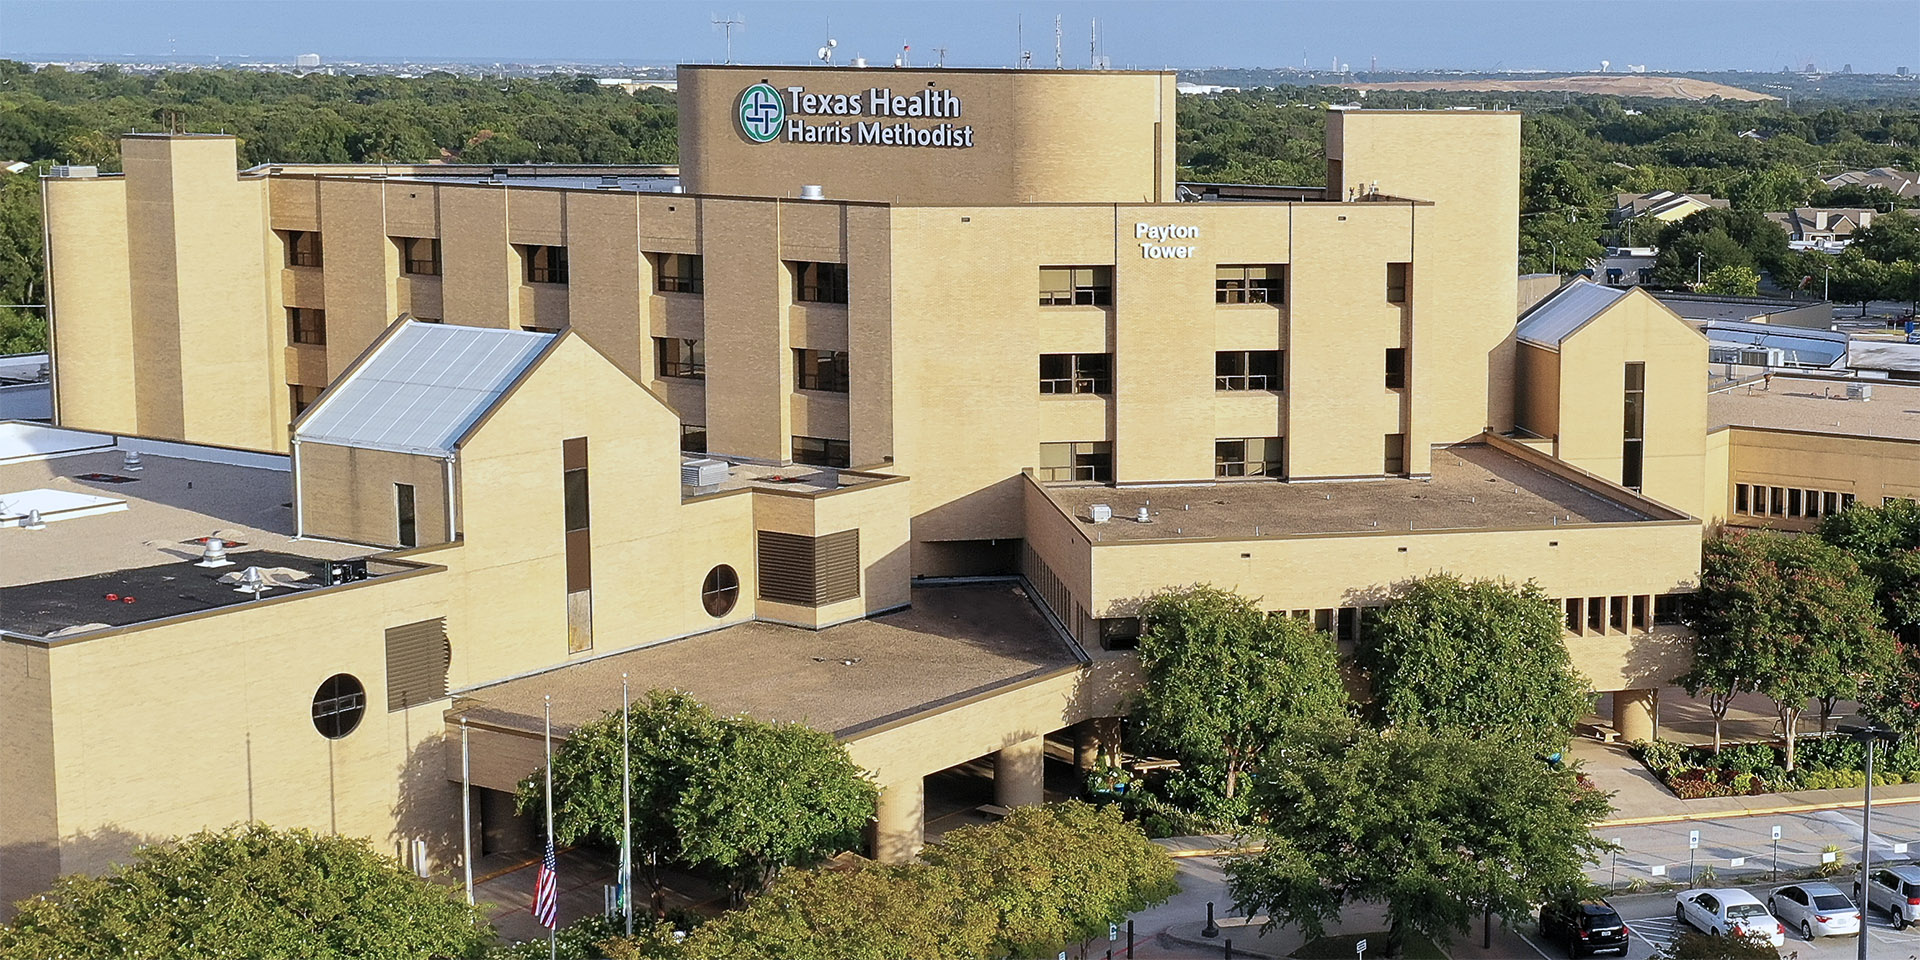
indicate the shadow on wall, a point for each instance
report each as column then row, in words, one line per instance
column 427, row 808
column 28, row 869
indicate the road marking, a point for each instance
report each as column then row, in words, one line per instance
column 1530, row 943
column 1738, row 814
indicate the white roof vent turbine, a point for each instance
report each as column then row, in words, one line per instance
column 215, row 554
column 131, row 462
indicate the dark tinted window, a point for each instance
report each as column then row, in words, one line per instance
column 1832, row 901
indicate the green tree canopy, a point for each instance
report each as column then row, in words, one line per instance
column 1225, row 680
column 1727, row 237
column 1885, row 541
column 871, row 912
column 1437, row 826
column 1482, row 656
column 248, row 891
column 1732, row 281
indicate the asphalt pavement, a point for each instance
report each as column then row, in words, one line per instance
column 1741, row 849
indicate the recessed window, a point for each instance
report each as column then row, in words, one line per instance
column 1397, row 274
column 1076, row 286
column 419, row 256
column 819, row 282
column 307, row 325
column 338, row 706
column 720, row 591
column 693, row 438
column 1396, row 458
column 575, row 498
column 820, row 451
column 679, row 273
column 680, row 357
column 303, row 248
column 1740, row 498
column 545, row 264
column 1248, row 370
column 404, row 518
column 1076, row 373
column 301, row 396
column 1250, row 284
column 1251, row 457
column 1087, row 460
column 1396, row 368
column 820, row 370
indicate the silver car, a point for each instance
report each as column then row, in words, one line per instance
column 1815, row 910
column 1893, row 889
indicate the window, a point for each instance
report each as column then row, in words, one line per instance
column 720, row 591
column 1633, row 446
column 1076, row 461
column 338, row 706
column 1846, row 502
column 679, row 273
column 417, row 658
column 1829, row 503
column 408, row 533
column 1740, row 498
column 1249, row 284
column 1248, row 370
column 1777, row 501
column 307, row 325
column 1397, row 281
column 1076, row 373
column 1574, row 614
column 1666, row 608
column 1596, row 613
column 545, row 264
column 1641, row 612
column 680, row 357
column 1251, row 457
column 303, row 248
column 1118, row 633
column 575, row 483
column 419, row 256
column 810, row 571
column 820, row 282
column 1396, row 449
column 1076, row 286
column 820, row 451
column 1396, row 368
column 693, row 438
column 1793, row 502
column 1617, row 613
column 1813, row 503
column 820, row 370
column 300, row 397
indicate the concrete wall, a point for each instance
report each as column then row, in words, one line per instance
column 347, row 493
column 1871, row 469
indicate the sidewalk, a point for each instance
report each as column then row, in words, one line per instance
column 1639, row 797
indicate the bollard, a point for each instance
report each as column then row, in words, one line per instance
column 1212, row 929
column 1129, row 940
column 1228, row 952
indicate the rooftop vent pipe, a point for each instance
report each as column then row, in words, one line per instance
column 131, row 462
column 33, row 521
column 215, row 554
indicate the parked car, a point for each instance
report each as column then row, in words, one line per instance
column 1584, row 927
column 1728, row 912
column 1815, row 909
column 1893, row 889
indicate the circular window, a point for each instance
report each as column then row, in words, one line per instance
column 721, row 591
column 338, row 706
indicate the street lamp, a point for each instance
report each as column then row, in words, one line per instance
column 1699, row 265
column 1870, row 734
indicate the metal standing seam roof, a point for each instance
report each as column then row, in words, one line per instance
column 422, row 388
column 1556, row 319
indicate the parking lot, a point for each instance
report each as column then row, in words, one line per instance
column 1650, row 917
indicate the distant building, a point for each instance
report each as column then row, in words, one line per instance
column 1822, row 224
column 1663, row 205
column 1903, row 183
column 307, row 61
column 1204, row 89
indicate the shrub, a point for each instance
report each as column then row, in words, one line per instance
column 1661, row 755
column 1749, row 757
column 1837, row 866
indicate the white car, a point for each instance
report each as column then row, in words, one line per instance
column 1815, row 909
column 1727, row 912
column 1895, row 890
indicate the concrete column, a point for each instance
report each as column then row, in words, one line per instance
column 1019, row 773
column 1635, row 713
column 899, row 828
column 1094, row 740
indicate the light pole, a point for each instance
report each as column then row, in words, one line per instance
column 1699, row 267
column 1871, row 734
column 1826, row 282
column 1554, row 245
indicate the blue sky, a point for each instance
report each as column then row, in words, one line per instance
column 1872, row 35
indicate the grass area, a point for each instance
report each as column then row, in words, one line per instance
column 1341, row 947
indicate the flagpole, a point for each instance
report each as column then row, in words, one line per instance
column 553, row 945
column 626, row 806
column 466, row 809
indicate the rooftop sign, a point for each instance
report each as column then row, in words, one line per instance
column 766, row 114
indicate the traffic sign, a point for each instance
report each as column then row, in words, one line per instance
column 1113, row 932
column 1360, row 948
column 1693, row 839
column 1776, row 831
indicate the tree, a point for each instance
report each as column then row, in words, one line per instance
column 1893, row 236
column 872, row 912
column 249, row 891
column 1437, row 826
column 1705, row 946
column 1789, row 617
column 1225, row 680
column 1482, row 656
column 747, row 797
column 1727, row 237
column 1732, row 281
column 1055, row 873
column 1885, row 541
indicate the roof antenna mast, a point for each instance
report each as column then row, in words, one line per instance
column 1058, row 63
column 727, row 25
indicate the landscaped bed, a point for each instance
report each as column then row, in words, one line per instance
column 1744, row 769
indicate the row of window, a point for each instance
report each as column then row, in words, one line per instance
column 823, row 370
column 1618, row 614
column 1092, row 286
column 1764, row 501
column 1075, row 373
column 813, row 451
column 1092, row 460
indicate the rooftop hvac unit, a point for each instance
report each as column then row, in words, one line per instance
column 1859, row 391
column 1763, row 357
column 1100, row 512
column 70, row 171
column 702, row 472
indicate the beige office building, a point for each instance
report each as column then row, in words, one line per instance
column 922, row 325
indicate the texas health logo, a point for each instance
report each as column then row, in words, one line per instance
column 762, row 115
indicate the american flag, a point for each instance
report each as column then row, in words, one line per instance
column 546, row 890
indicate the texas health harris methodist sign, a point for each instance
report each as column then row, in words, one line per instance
column 766, row 114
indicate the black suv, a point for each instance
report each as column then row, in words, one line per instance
column 1584, row 927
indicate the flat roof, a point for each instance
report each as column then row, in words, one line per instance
column 1818, row 405
column 520, row 177
column 952, row 643
column 1473, row 487
column 799, row 478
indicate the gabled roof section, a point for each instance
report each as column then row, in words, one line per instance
column 422, row 388
column 1561, row 315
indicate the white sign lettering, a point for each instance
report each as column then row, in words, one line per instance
column 1152, row 249
column 766, row 115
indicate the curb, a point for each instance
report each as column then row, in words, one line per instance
column 1225, row 851
column 1763, row 812
column 1167, row 937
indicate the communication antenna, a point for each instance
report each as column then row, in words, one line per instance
column 1020, row 41
column 1093, row 44
column 901, row 60
column 826, row 52
column 727, row 24
column 1057, row 62
column 941, row 54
